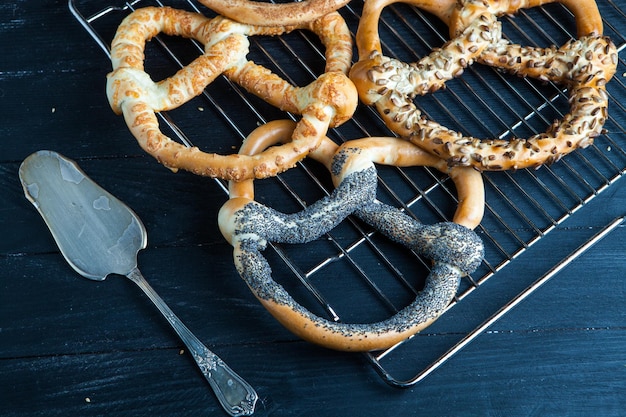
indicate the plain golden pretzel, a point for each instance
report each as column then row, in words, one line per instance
column 328, row 101
column 274, row 14
column 248, row 226
column 583, row 65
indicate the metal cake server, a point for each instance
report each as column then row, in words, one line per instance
column 99, row 235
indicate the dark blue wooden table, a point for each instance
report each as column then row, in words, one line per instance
column 73, row 347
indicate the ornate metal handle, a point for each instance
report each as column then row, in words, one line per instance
column 236, row 396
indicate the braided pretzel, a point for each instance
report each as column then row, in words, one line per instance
column 584, row 65
column 326, row 102
column 248, row 226
column 271, row 14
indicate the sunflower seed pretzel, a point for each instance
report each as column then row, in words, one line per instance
column 583, row 65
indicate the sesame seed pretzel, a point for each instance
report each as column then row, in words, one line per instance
column 583, row 65
column 273, row 14
column 328, row 101
column 455, row 249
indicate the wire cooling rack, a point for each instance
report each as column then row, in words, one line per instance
column 522, row 207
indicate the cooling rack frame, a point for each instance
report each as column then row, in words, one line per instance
column 517, row 215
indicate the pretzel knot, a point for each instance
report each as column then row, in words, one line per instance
column 583, row 65
column 455, row 249
column 328, row 101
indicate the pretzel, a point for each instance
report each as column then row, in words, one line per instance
column 271, row 14
column 328, row 101
column 584, row 66
column 248, row 225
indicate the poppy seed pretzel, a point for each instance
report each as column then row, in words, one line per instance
column 273, row 14
column 584, row 66
column 248, row 226
column 361, row 154
column 328, row 101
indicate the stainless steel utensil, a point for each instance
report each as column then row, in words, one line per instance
column 99, row 235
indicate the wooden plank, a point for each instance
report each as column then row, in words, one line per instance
column 64, row 339
column 514, row 381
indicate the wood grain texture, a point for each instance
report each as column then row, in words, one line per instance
column 73, row 347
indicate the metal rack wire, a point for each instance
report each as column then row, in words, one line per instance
column 522, row 207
